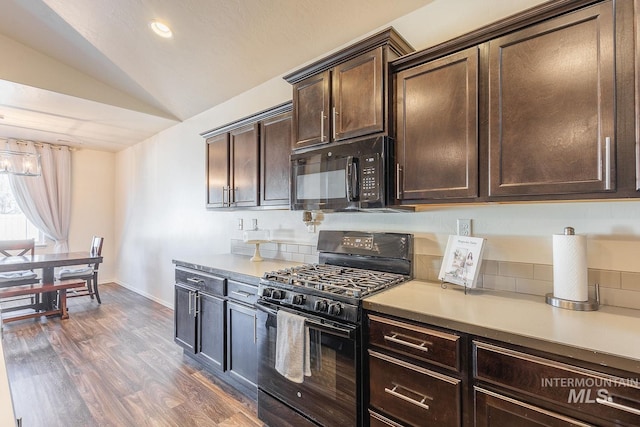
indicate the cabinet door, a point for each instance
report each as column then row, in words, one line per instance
column 184, row 317
column 275, row 148
column 358, row 96
column 551, row 107
column 212, row 328
column 218, row 171
column 437, row 128
column 244, row 165
column 242, row 347
column 496, row 410
column 311, row 105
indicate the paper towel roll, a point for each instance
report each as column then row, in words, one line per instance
column 570, row 267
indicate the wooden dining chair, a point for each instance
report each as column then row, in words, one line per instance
column 9, row 248
column 88, row 273
column 18, row 248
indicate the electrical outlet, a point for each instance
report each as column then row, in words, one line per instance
column 464, row 227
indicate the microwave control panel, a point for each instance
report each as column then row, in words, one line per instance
column 370, row 179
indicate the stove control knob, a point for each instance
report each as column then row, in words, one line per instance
column 335, row 309
column 266, row 292
column 277, row 294
column 297, row 299
column 321, row 305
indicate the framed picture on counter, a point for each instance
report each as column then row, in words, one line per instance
column 462, row 260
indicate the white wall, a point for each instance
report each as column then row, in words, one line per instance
column 92, row 205
column 160, row 190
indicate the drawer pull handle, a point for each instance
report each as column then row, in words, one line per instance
column 194, row 280
column 420, row 403
column 421, row 346
column 609, row 402
column 242, row 294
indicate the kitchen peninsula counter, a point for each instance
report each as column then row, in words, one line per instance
column 238, row 267
column 608, row 337
column 7, row 417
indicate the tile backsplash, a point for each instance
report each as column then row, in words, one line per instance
column 297, row 252
column 617, row 288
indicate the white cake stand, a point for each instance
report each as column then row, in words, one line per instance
column 256, row 255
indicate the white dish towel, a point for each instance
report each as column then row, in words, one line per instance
column 293, row 360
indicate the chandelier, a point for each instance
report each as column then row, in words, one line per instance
column 19, row 163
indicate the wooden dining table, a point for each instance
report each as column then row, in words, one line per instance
column 47, row 263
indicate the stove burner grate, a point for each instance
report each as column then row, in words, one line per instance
column 347, row 281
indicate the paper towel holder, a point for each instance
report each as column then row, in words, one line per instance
column 589, row 305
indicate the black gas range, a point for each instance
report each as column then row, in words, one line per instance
column 327, row 290
column 352, row 265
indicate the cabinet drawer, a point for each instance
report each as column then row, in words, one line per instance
column 242, row 292
column 429, row 345
column 377, row 420
column 412, row 394
column 494, row 409
column 201, row 281
column 582, row 390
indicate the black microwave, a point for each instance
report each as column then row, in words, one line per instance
column 350, row 176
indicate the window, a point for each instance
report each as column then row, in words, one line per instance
column 13, row 224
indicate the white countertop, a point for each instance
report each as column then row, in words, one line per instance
column 7, row 417
column 600, row 336
column 239, row 264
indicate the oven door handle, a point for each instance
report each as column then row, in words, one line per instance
column 344, row 332
column 332, row 329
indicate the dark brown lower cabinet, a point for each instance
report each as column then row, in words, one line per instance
column 566, row 390
column 199, row 325
column 496, row 410
column 215, row 324
column 242, row 344
column 414, row 374
column 377, row 420
column 184, row 321
column 211, row 339
column 412, row 394
column 424, row 375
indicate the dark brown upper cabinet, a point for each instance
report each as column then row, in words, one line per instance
column 542, row 96
column 275, row 147
column 311, row 121
column 232, row 168
column 248, row 161
column 346, row 94
column 218, row 171
column 552, row 106
column 244, row 148
column 437, row 129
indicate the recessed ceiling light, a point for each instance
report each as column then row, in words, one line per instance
column 161, row 29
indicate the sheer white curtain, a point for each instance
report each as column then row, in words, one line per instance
column 46, row 199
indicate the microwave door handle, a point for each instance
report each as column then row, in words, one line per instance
column 352, row 179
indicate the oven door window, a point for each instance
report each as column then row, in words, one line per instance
column 329, row 395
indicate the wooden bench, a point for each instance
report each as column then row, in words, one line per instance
column 39, row 288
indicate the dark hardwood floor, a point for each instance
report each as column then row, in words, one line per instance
column 114, row 364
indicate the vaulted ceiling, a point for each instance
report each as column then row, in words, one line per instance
column 92, row 74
